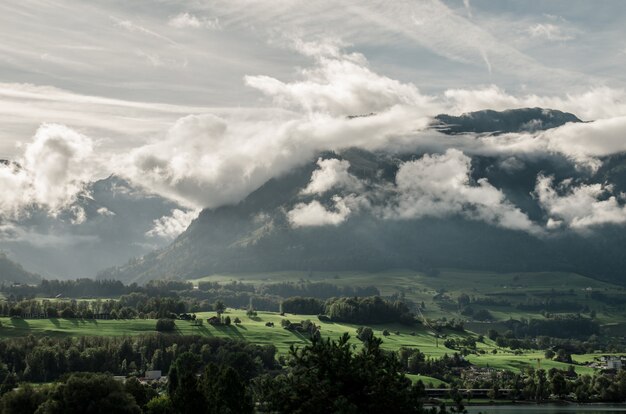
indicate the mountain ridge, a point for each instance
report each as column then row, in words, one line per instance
column 256, row 235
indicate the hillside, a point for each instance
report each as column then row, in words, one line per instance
column 259, row 235
column 11, row 272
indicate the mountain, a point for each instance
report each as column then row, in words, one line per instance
column 104, row 227
column 512, row 120
column 11, row 272
column 256, row 234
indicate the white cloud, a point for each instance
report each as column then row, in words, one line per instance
column 315, row 214
column 169, row 227
column 548, row 31
column 580, row 207
column 103, row 211
column 188, row 20
column 50, row 175
column 339, row 85
column 440, row 186
column 207, row 161
column 584, row 142
column 595, row 103
column 332, row 173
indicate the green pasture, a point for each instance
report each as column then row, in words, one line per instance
column 516, row 287
column 254, row 330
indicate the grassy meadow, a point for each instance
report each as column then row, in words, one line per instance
column 255, row 331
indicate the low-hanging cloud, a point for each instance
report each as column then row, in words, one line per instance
column 207, row 161
column 440, row 186
column 213, row 159
column 332, row 173
column 169, row 227
column 314, row 214
column 579, row 207
column 50, row 175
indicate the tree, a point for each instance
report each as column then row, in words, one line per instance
column 227, row 321
column 558, row 384
column 68, row 313
column 549, row 354
column 237, row 320
column 219, row 307
column 463, row 300
column 364, row 334
column 183, row 384
column 224, row 391
column 160, row 405
column 326, row 376
column 24, row 400
column 141, row 393
column 88, row 393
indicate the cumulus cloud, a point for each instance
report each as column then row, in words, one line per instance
column 169, row 227
column 580, row 207
column 51, row 174
column 207, row 161
column 440, row 186
column 340, row 84
column 315, row 214
column 332, row 173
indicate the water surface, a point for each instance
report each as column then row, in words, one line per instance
column 548, row 409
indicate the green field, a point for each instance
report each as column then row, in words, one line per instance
column 255, row 331
column 418, row 287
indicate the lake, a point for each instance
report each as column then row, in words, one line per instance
column 547, row 409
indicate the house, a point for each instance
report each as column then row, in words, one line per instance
column 614, row 363
column 153, row 375
column 214, row 320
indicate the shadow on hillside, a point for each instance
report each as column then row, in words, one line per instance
column 20, row 323
column 300, row 336
column 229, row 331
column 55, row 322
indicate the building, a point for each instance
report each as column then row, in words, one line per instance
column 153, row 375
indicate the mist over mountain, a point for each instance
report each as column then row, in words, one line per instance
column 11, row 272
column 110, row 222
column 367, row 210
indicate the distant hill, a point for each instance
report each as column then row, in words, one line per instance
column 255, row 234
column 11, row 272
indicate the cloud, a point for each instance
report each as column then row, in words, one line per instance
column 137, row 28
column 207, row 160
column 169, row 227
column 332, row 173
column 548, row 31
column 315, row 214
column 51, row 173
column 440, row 186
column 339, row 85
column 103, row 211
column 585, row 142
column 594, row 103
column 581, row 207
column 188, row 20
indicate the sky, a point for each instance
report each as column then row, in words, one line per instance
column 201, row 102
